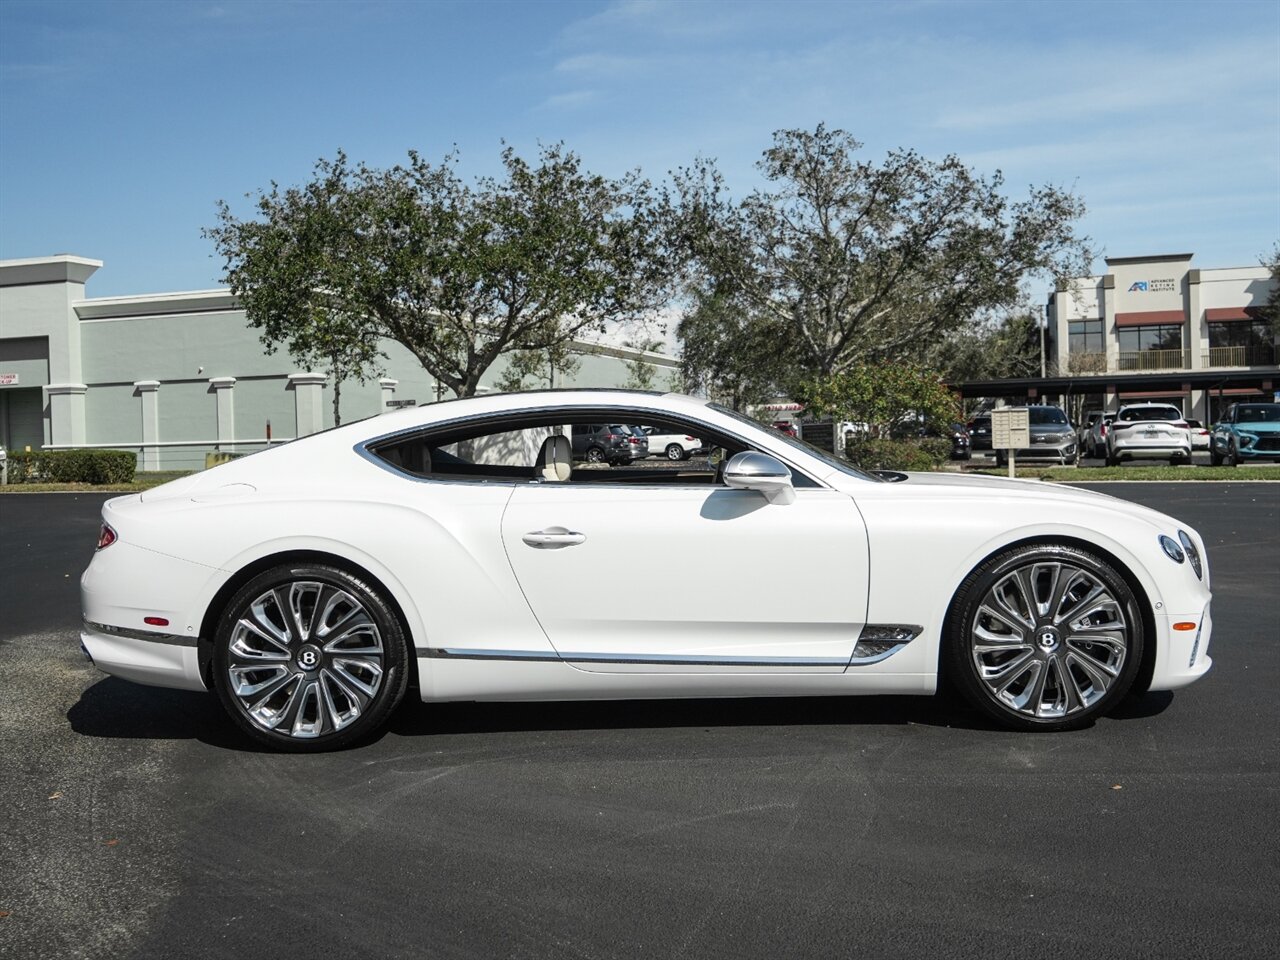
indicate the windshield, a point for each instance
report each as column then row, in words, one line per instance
column 1048, row 415
column 844, row 466
column 1259, row 413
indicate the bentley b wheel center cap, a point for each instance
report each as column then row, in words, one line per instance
column 308, row 658
column 1047, row 638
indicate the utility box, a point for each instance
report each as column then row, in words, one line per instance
column 1010, row 428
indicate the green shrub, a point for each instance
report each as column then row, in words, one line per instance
column 870, row 453
column 72, row 466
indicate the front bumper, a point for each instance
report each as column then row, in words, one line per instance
column 1185, row 658
column 1059, row 453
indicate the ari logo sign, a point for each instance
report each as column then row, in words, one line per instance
column 1153, row 286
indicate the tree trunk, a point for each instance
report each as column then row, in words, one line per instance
column 337, row 393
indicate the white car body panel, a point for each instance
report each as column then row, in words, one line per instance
column 671, row 537
column 449, row 555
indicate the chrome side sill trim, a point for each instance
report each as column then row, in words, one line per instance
column 632, row 658
column 172, row 639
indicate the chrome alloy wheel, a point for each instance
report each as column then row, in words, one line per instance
column 305, row 659
column 1049, row 639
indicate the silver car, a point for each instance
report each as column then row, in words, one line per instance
column 1052, row 438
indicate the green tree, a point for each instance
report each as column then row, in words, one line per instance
column 1271, row 311
column 731, row 354
column 990, row 349
column 462, row 275
column 855, row 262
column 536, row 369
column 641, row 374
column 884, row 397
column 292, row 271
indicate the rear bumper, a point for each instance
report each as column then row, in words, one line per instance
column 157, row 659
column 1153, row 449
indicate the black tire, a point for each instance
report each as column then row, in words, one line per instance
column 1215, row 458
column 339, row 678
column 1001, row 460
column 1113, row 460
column 675, row 452
column 1071, row 652
column 1233, row 454
column 595, row 454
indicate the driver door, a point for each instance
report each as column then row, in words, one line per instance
column 744, row 584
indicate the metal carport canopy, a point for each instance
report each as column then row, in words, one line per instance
column 1174, row 380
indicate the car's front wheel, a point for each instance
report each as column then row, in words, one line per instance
column 1233, row 454
column 1044, row 637
column 309, row 657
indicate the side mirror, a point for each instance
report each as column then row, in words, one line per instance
column 751, row 470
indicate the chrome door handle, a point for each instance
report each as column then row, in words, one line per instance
column 553, row 538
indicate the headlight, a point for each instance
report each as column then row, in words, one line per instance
column 1192, row 553
column 1171, row 547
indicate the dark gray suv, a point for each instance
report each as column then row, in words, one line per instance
column 607, row 443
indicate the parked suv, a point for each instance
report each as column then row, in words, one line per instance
column 1095, row 443
column 1153, row 430
column 673, row 446
column 1247, row 431
column 1052, row 438
column 607, row 443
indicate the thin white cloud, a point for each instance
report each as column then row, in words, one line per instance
column 571, row 100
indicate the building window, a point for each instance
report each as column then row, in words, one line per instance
column 1241, row 343
column 1085, row 336
column 1154, row 347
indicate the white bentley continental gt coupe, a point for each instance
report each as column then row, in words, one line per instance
column 460, row 546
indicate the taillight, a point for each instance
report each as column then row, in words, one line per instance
column 1182, row 425
column 692, row 439
column 106, row 537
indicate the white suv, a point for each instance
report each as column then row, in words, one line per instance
column 1148, row 430
column 673, row 446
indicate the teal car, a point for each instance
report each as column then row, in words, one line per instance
column 1246, row 432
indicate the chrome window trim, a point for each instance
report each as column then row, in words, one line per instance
column 362, row 448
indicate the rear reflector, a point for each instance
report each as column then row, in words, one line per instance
column 1184, row 625
column 162, row 622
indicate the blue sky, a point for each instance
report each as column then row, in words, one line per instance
column 121, row 124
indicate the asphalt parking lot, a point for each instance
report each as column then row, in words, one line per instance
column 137, row 823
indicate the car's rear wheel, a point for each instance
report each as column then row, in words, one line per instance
column 1044, row 637
column 595, row 455
column 1113, row 459
column 309, row 657
column 675, row 451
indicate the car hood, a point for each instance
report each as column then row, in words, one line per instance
column 970, row 487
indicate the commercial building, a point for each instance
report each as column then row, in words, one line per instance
column 1155, row 328
column 174, row 376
